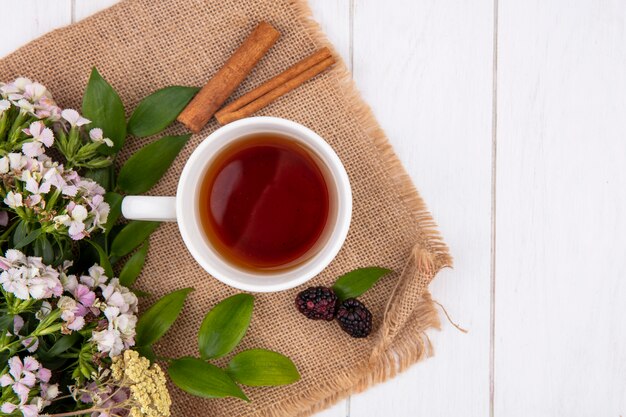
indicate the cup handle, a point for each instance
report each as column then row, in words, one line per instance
column 140, row 207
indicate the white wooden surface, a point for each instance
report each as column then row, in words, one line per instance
column 511, row 118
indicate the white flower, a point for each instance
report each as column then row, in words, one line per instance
column 13, row 257
column 126, row 324
column 25, row 105
column 13, row 282
column 4, row 106
column 42, row 135
column 13, row 200
column 47, row 108
column 50, row 392
column 69, row 282
column 95, row 278
column 6, row 89
column 74, row 118
column 97, row 136
column 27, row 278
column 90, row 187
column 32, row 149
column 74, row 220
column 4, row 165
column 21, row 82
column 17, row 161
column 69, row 308
column 100, row 209
column 117, row 295
column 32, row 186
column 109, row 341
column 44, row 310
column 35, row 91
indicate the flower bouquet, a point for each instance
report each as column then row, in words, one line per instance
column 72, row 339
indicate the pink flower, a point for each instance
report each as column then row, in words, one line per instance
column 41, row 135
column 95, row 278
column 33, row 186
column 13, row 257
column 30, row 410
column 76, row 324
column 31, row 344
column 69, row 308
column 18, row 323
column 97, row 136
column 74, row 220
column 44, row 374
column 21, row 376
column 85, row 298
column 74, row 118
column 13, row 200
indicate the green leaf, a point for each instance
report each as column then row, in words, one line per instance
column 6, row 321
column 140, row 294
column 63, row 344
column 29, row 238
column 157, row 320
column 147, row 352
column 225, row 325
column 115, row 205
column 132, row 267
column 21, row 231
column 103, row 259
column 262, row 368
column 43, row 248
column 355, row 283
column 203, row 379
column 131, row 236
column 159, row 109
column 146, row 166
column 103, row 106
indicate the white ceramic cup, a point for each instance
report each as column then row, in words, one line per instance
column 184, row 208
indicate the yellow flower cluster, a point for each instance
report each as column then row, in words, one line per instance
column 148, row 394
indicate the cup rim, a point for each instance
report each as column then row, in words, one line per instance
column 201, row 249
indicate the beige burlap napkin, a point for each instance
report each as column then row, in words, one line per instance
column 142, row 45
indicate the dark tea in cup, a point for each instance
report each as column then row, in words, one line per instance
column 264, row 202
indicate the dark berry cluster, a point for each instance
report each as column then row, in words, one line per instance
column 354, row 318
column 317, row 303
column 321, row 303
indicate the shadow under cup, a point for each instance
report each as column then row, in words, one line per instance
column 209, row 248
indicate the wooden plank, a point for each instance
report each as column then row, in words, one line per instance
column 85, row 8
column 560, row 339
column 24, row 20
column 426, row 69
column 334, row 18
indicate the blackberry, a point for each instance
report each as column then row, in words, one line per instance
column 354, row 318
column 317, row 303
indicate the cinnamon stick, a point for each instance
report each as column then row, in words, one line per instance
column 276, row 87
column 200, row 110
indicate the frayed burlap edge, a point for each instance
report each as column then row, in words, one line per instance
column 411, row 346
column 398, row 345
